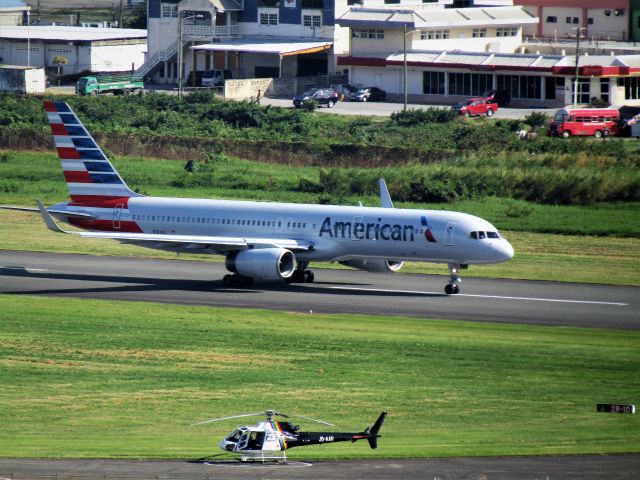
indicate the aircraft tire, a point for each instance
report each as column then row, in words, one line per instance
column 309, row 277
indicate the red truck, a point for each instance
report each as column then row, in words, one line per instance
column 477, row 106
column 595, row 122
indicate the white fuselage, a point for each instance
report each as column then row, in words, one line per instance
column 336, row 232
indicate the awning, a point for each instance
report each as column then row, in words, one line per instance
column 227, row 5
column 284, row 48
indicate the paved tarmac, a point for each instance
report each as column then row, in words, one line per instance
column 587, row 467
column 335, row 291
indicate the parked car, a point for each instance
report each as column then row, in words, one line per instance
column 215, row 78
column 324, row 96
column 476, row 106
column 189, row 81
column 344, row 90
column 368, row 94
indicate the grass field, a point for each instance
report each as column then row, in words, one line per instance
column 85, row 378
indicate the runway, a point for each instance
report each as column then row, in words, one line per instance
column 334, row 291
column 583, row 467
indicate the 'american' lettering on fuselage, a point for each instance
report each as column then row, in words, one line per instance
column 367, row 230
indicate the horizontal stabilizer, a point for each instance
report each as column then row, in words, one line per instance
column 62, row 213
column 373, row 433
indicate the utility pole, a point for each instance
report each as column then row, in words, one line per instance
column 575, row 83
column 120, row 21
column 404, row 76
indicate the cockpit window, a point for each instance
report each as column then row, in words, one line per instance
column 482, row 235
column 234, row 437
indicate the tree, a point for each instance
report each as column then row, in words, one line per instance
column 60, row 60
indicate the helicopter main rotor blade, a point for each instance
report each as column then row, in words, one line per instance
column 314, row 420
column 227, row 418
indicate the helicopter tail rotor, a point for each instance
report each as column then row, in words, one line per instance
column 372, row 432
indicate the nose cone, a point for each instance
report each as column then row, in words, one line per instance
column 507, row 250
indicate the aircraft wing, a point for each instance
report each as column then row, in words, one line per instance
column 214, row 243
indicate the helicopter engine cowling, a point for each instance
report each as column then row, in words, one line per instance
column 373, row 265
column 262, row 263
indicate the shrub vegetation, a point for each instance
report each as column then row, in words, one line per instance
column 449, row 158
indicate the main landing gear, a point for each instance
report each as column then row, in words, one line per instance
column 453, row 286
column 236, row 281
column 301, row 274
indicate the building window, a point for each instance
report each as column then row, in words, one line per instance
column 469, row 84
column 506, row 32
column 169, row 10
column 521, row 86
column 354, row 2
column 311, row 20
column 589, row 21
column 479, row 32
column 391, row 1
column 317, row 4
column 268, row 19
column 433, row 83
column 552, row 19
column 604, row 89
column 268, row 3
column 631, row 87
column 434, row 35
column 377, row 34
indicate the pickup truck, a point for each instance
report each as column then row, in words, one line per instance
column 116, row 83
column 477, row 106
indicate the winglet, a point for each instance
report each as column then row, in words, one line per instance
column 48, row 220
column 385, row 198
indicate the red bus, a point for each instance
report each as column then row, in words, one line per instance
column 585, row 121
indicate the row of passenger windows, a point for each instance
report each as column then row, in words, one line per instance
column 482, row 235
column 220, row 221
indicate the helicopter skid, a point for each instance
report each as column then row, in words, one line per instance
column 260, row 457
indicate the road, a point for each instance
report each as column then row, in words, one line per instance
column 387, row 108
column 335, row 291
column 587, row 467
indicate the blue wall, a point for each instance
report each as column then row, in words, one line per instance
column 289, row 16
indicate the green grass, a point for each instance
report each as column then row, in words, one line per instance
column 85, row 378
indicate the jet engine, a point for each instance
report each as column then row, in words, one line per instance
column 373, row 265
column 262, row 263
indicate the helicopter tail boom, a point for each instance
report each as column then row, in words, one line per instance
column 372, row 432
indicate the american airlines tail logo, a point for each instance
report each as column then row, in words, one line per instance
column 427, row 230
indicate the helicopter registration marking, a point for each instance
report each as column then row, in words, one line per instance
column 328, row 438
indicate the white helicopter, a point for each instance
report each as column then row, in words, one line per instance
column 269, row 440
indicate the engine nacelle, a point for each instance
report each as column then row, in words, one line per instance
column 373, row 265
column 262, row 263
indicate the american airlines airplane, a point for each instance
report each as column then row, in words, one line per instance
column 260, row 240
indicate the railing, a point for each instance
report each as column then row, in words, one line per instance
column 198, row 32
column 160, row 56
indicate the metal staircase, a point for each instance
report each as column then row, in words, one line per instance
column 160, row 56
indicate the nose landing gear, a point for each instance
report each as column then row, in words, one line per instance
column 453, row 286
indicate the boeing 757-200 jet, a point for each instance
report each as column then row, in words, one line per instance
column 260, row 240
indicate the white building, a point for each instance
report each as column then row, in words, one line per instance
column 93, row 49
column 13, row 12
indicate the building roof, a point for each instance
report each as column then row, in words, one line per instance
column 20, row 4
column 70, row 34
column 281, row 46
column 598, row 65
column 435, row 17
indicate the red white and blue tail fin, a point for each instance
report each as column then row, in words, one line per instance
column 91, row 178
